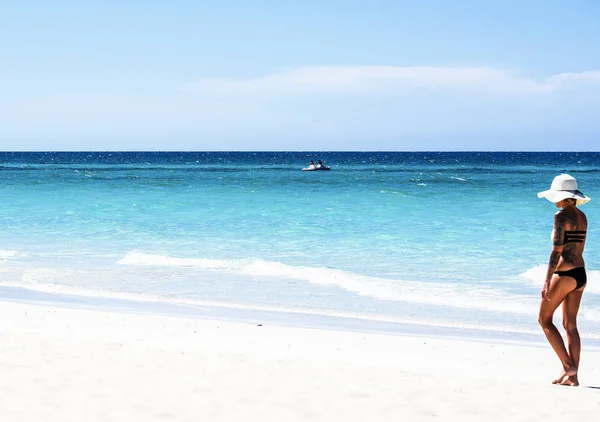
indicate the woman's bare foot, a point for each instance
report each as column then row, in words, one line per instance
column 559, row 379
column 566, row 374
column 570, row 381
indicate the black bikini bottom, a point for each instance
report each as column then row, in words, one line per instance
column 577, row 273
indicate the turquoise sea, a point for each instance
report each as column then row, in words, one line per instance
column 428, row 240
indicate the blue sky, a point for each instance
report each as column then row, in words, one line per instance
column 300, row 75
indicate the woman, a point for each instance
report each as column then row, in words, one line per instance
column 566, row 277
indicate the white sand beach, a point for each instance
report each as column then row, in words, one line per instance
column 61, row 364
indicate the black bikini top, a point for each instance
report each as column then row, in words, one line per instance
column 574, row 236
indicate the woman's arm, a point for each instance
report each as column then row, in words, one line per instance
column 558, row 238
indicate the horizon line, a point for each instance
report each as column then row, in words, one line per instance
column 293, row 151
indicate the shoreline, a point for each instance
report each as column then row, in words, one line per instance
column 298, row 318
column 82, row 364
column 292, row 318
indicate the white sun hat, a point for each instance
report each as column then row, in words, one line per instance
column 564, row 186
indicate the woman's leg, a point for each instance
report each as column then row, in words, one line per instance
column 570, row 311
column 560, row 287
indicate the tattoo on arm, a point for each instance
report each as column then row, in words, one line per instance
column 559, row 230
column 558, row 239
column 553, row 262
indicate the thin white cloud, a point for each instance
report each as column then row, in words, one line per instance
column 320, row 103
column 587, row 77
column 377, row 79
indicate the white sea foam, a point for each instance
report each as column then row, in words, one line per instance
column 589, row 313
column 139, row 258
column 42, row 275
column 537, row 274
column 7, row 254
column 479, row 297
column 48, row 280
column 431, row 293
column 81, row 291
column 462, row 296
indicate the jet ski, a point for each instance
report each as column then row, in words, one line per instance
column 316, row 168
